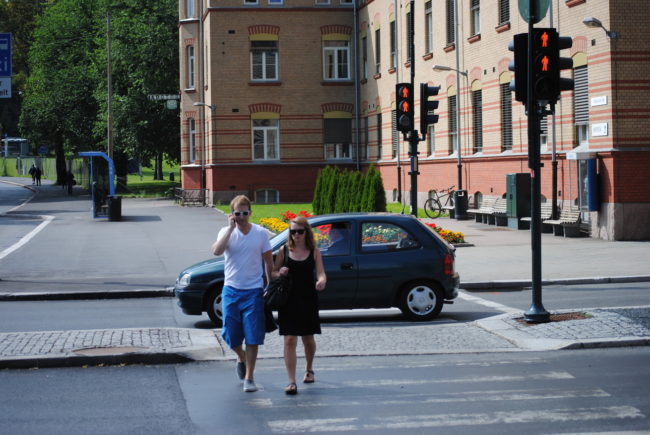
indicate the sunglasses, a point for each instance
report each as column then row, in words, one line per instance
column 238, row 213
column 300, row 231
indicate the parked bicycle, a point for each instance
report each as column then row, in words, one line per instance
column 433, row 207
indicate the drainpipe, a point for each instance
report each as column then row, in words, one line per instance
column 357, row 93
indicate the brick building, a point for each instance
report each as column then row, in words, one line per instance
column 273, row 90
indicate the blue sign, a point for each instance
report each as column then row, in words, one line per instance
column 42, row 150
column 5, row 54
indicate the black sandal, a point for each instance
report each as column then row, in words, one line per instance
column 309, row 377
column 291, row 389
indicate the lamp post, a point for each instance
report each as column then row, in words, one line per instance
column 109, row 79
column 460, row 214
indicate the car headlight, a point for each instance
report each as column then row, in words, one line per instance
column 184, row 280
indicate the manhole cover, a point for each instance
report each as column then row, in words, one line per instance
column 95, row 351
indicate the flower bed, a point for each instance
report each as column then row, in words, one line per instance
column 450, row 236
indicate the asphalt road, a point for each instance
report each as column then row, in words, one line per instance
column 586, row 391
column 21, row 316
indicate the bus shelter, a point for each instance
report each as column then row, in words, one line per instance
column 102, row 186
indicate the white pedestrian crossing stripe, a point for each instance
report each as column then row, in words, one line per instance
column 448, row 420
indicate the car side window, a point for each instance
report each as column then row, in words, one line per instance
column 385, row 237
column 333, row 239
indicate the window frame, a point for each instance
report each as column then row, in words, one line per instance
column 191, row 63
column 266, row 191
column 191, row 134
column 335, row 50
column 377, row 51
column 450, row 20
column 475, row 17
column 380, row 138
column 265, row 129
column 504, row 12
column 428, row 27
column 393, row 44
column 364, row 57
column 264, row 52
column 477, row 120
column 506, row 117
column 452, row 101
column 190, row 10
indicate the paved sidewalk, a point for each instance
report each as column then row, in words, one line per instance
column 498, row 258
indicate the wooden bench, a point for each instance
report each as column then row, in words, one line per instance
column 499, row 215
column 189, row 196
column 568, row 224
column 450, row 209
column 546, row 209
column 485, row 208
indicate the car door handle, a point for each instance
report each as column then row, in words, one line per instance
column 346, row 266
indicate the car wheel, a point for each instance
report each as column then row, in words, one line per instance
column 213, row 307
column 421, row 300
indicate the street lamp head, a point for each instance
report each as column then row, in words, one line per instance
column 210, row 106
column 596, row 23
column 448, row 68
column 592, row 22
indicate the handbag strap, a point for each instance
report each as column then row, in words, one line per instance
column 286, row 256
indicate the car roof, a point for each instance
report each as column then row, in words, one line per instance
column 337, row 217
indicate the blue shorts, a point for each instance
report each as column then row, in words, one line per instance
column 243, row 316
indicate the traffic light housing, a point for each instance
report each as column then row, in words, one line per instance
column 405, row 111
column 427, row 107
column 519, row 65
column 564, row 84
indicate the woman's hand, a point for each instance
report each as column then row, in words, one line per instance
column 283, row 271
column 320, row 285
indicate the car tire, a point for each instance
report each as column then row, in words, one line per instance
column 213, row 307
column 421, row 300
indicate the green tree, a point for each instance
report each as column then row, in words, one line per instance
column 58, row 108
column 356, row 190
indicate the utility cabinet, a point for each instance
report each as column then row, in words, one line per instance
column 517, row 198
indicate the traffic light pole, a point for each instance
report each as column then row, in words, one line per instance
column 413, row 134
column 536, row 313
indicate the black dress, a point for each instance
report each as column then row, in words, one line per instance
column 300, row 316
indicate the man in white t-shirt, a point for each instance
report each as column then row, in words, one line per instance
column 247, row 252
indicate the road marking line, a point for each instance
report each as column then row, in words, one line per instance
column 46, row 220
column 388, row 382
column 431, row 421
column 475, row 299
column 464, row 397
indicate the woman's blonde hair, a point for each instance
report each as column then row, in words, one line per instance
column 309, row 234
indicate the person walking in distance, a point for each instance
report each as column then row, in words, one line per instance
column 247, row 251
column 299, row 317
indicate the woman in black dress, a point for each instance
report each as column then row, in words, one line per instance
column 299, row 318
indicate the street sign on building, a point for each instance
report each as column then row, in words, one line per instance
column 5, row 65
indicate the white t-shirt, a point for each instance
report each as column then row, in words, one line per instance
column 244, row 266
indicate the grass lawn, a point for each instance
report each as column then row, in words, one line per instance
column 270, row 210
column 273, row 210
column 146, row 186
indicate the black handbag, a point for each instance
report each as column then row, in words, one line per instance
column 276, row 293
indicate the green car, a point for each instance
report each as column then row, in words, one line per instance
column 372, row 260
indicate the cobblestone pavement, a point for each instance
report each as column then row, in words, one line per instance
column 382, row 340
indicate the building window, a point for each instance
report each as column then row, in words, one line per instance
column 394, row 134
column 336, row 60
column 581, row 104
column 250, row 2
column 377, row 51
column 190, row 67
column 189, row 8
column 346, row 2
column 450, row 22
column 264, row 60
column 364, row 54
column 322, row 2
column 506, row 117
column 393, row 44
column 476, row 17
column 276, row 2
column 504, row 12
column 191, row 126
column 409, row 34
column 477, row 120
column 543, row 133
column 431, row 139
column 379, row 137
column 337, row 138
column 453, row 131
column 266, row 139
column 267, row 196
column 428, row 27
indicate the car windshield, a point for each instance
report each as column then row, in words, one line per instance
column 279, row 240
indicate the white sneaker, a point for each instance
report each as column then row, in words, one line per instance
column 249, row 386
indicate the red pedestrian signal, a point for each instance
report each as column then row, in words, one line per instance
column 404, row 104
